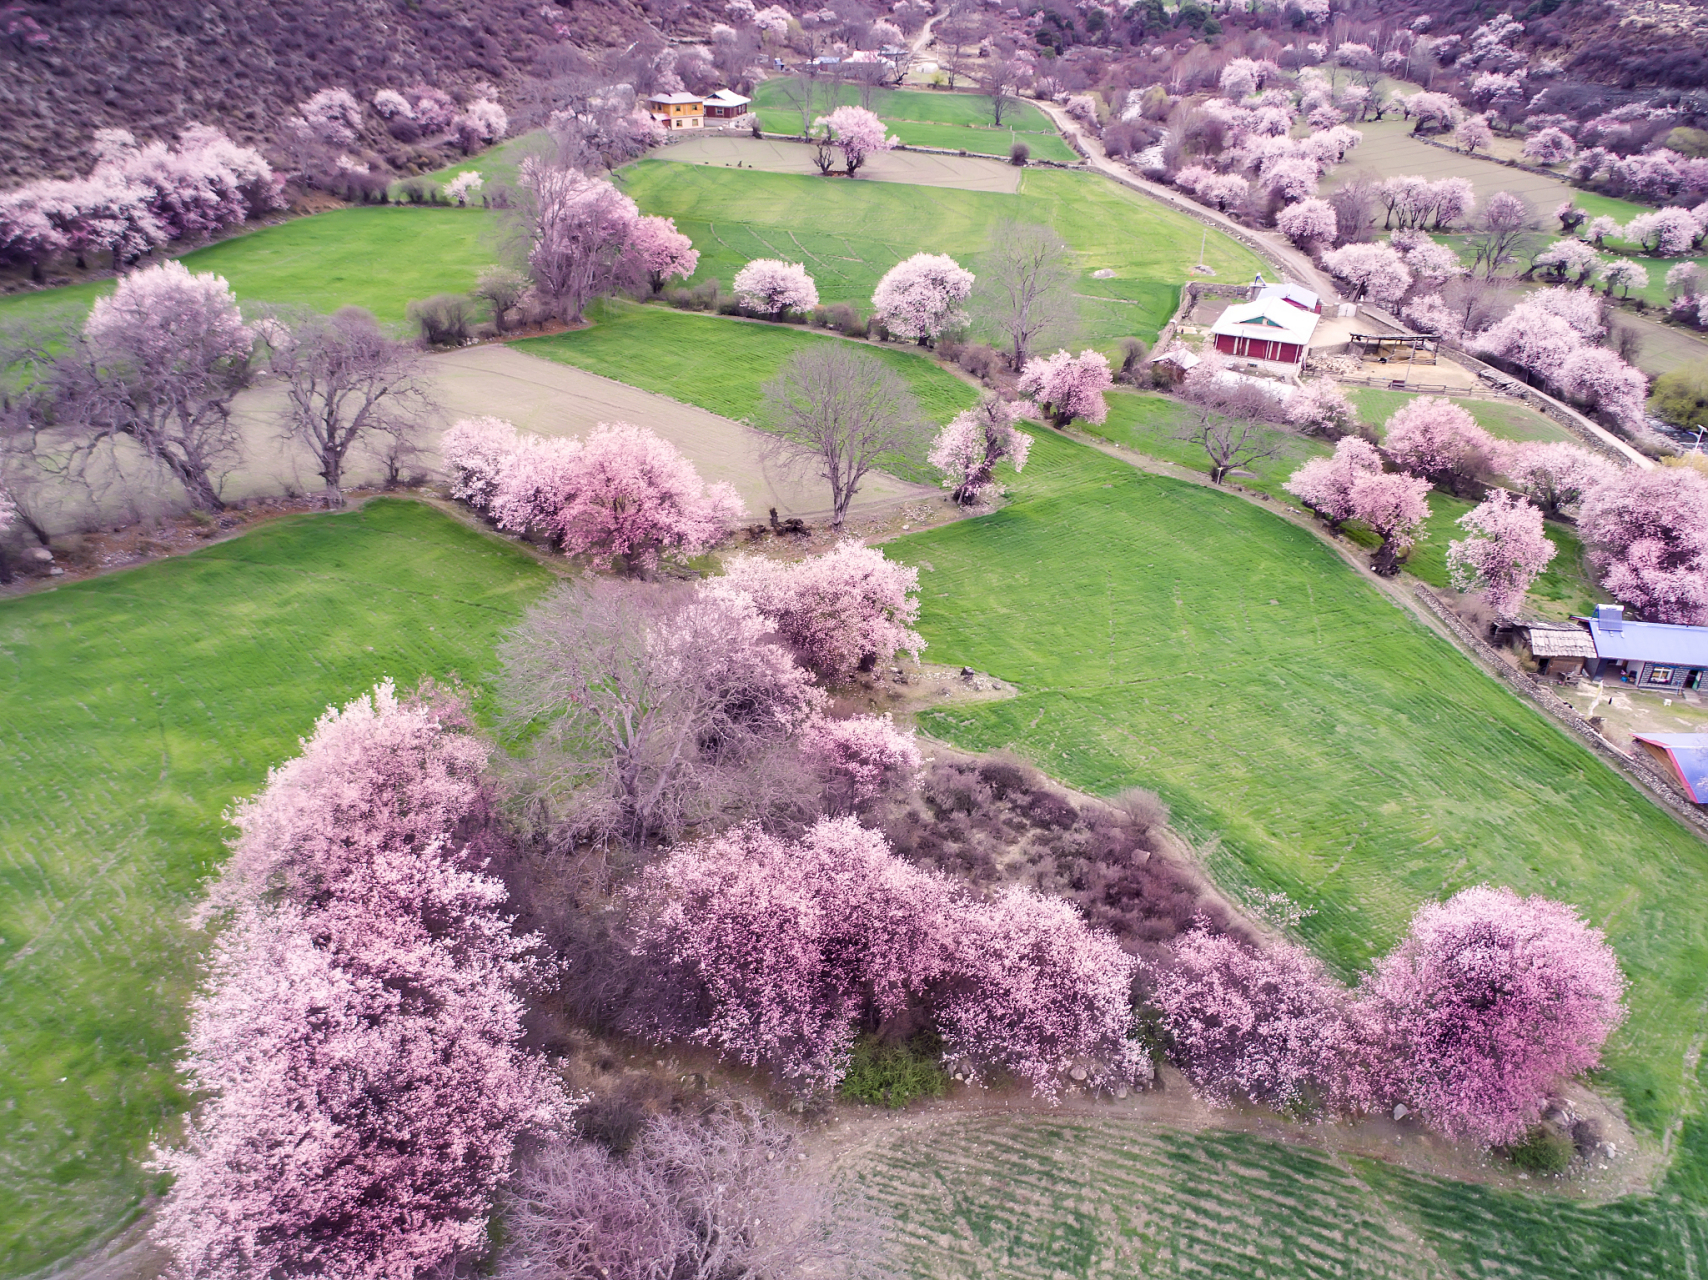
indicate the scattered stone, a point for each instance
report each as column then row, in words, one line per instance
column 41, row 555
column 1401, row 1111
column 1120, row 1091
column 1078, row 1073
column 56, row 572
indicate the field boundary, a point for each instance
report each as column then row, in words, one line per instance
column 943, row 151
column 1557, row 708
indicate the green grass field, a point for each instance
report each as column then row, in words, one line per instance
column 849, row 234
column 376, row 257
column 722, row 364
column 133, row 709
column 1169, row 636
column 1503, row 419
column 955, row 121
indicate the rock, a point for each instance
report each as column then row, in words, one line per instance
column 41, row 555
column 56, row 572
column 967, row 673
column 1078, row 1073
column 1401, row 1111
column 1120, row 1091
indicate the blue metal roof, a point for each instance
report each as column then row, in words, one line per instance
column 1668, row 643
column 1689, row 755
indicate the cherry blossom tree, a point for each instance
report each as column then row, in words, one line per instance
column 1567, row 257
column 1535, row 340
column 1624, row 275
column 483, row 122
column 1223, row 191
column 1429, row 313
column 622, row 493
column 359, row 1033
column 462, row 188
column 1068, row 386
column 1597, row 377
column 857, row 133
column 1489, row 1001
column 772, row 287
column 475, row 452
column 922, row 296
column 1435, row 438
column 1259, row 1024
column 1433, row 264
column 1325, row 484
column 967, row 450
column 1321, row 408
column 663, row 250
column 1553, row 474
column 860, row 758
column 1310, row 222
column 162, row 358
column 1501, row 228
column 1550, row 146
column 579, row 230
column 1504, row 553
column 1664, row 233
column 1648, row 531
column 1393, row 506
column 1375, row 271
column 846, row 610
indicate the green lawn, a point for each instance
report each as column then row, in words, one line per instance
column 849, row 234
column 1503, row 419
column 1173, row 637
column 956, row 121
column 133, row 708
column 376, row 257
column 721, row 364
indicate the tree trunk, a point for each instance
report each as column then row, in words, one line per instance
column 1386, row 562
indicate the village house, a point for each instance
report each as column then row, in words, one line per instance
column 1685, row 757
column 1661, row 656
column 677, row 110
column 725, row 105
column 1272, row 333
column 1558, row 648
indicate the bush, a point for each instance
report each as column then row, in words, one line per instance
column 704, row 296
column 1542, row 1150
column 894, row 1075
column 444, row 319
column 1019, row 154
column 821, row 317
column 979, row 359
column 1133, row 355
column 843, row 317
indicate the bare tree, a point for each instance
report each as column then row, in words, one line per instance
column 959, row 34
column 839, row 410
column 501, row 288
column 344, row 381
column 1025, row 288
column 1476, row 301
column 999, row 82
column 653, row 707
column 803, row 93
column 1506, row 222
column 702, row 1197
column 1228, row 423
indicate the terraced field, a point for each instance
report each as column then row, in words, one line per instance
column 848, row 234
column 1022, row 1197
column 956, row 121
column 133, row 708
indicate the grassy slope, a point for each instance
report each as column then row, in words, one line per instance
column 848, row 234
column 376, row 257
column 133, row 708
column 957, row 121
column 1337, row 749
column 1503, row 419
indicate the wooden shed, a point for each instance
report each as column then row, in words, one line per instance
column 1558, row 648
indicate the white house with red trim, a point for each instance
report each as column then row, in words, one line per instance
column 1272, row 333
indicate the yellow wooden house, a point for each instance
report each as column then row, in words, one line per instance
column 677, row 110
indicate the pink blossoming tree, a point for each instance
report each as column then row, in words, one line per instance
column 1374, row 271
column 474, row 452
column 1434, row 438
column 857, row 133
column 860, row 758
column 1325, row 484
column 1600, row 379
column 1490, row 1000
column 1068, row 386
column 581, row 228
column 846, row 610
column 1553, row 474
column 967, row 450
column 359, row 1035
column 1321, row 408
column 1307, row 223
column 1504, row 553
column 1393, row 506
column 771, row 287
column 663, row 251
column 1648, row 530
column 922, row 296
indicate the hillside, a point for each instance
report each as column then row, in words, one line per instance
column 153, row 66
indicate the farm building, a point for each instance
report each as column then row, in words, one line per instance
column 677, row 110
column 1294, row 295
column 726, row 105
column 1559, row 648
column 1269, row 332
column 1662, row 656
column 1686, row 757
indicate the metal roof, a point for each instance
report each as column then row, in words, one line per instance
column 1268, row 318
column 675, row 98
column 1688, row 753
column 728, row 98
column 1296, row 294
column 1552, row 640
column 1668, row 643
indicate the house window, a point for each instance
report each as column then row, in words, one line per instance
column 1660, row 675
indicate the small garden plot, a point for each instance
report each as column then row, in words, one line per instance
column 722, row 364
column 963, row 173
column 135, row 707
column 380, row 258
column 957, row 121
column 848, row 234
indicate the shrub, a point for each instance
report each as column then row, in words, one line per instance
column 1019, row 154
column 893, row 1075
column 444, row 319
column 1542, row 1150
